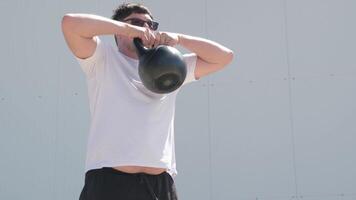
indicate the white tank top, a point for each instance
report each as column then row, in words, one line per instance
column 129, row 124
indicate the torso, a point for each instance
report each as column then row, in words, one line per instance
column 140, row 169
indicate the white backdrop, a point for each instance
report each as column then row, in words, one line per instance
column 277, row 124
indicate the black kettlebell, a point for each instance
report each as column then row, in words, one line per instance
column 161, row 69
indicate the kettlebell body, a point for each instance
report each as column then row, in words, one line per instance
column 161, row 69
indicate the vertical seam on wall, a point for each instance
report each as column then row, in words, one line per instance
column 59, row 63
column 209, row 107
column 290, row 97
column 57, row 118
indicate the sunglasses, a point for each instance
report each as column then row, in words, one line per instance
column 139, row 22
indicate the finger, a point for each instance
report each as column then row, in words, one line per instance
column 148, row 35
column 140, row 33
column 152, row 39
column 171, row 43
column 157, row 40
column 163, row 38
column 144, row 38
column 147, row 38
column 167, row 41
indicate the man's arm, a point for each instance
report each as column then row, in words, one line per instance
column 79, row 31
column 211, row 55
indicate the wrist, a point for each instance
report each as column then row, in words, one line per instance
column 123, row 29
column 127, row 30
column 179, row 39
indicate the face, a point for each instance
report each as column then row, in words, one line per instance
column 125, row 42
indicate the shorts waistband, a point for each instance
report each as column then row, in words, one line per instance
column 118, row 172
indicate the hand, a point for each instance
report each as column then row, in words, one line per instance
column 166, row 38
column 147, row 36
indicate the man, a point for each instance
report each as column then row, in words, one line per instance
column 130, row 151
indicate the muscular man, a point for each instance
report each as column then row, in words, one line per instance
column 130, row 149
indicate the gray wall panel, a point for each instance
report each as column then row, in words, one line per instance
column 255, row 31
column 321, row 36
column 324, row 118
column 323, row 72
column 36, row 105
column 193, row 143
column 29, row 105
column 182, row 16
column 251, row 97
column 251, row 141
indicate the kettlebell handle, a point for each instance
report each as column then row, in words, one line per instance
column 140, row 49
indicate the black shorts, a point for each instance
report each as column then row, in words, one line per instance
column 110, row 184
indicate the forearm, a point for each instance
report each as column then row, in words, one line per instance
column 207, row 50
column 89, row 25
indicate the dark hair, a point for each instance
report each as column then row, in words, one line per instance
column 126, row 9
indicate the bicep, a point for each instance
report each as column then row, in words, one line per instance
column 80, row 46
column 204, row 68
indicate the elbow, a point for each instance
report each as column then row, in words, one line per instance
column 69, row 16
column 65, row 21
column 68, row 20
column 229, row 57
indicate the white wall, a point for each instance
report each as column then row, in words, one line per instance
column 278, row 123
